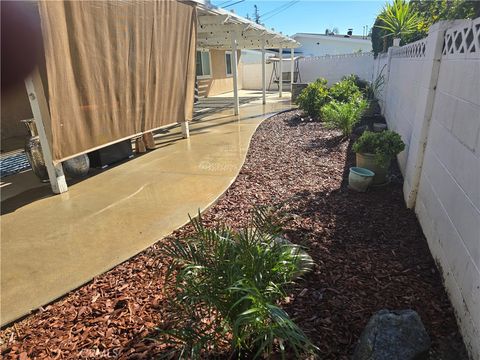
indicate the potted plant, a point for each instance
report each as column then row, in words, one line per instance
column 375, row 151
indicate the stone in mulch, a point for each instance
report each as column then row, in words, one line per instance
column 393, row 335
column 369, row 253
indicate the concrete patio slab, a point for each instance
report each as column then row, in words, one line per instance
column 54, row 244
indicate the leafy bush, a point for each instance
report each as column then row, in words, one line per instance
column 360, row 83
column 384, row 145
column 313, row 97
column 235, row 279
column 343, row 116
column 344, row 91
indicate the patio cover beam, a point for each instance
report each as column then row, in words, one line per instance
column 213, row 19
column 215, row 27
column 242, row 44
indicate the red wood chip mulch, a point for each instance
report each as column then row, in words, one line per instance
column 369, row 250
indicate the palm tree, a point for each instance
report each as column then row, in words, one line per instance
column 398, row 19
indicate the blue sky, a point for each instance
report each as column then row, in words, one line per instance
column 313, row 15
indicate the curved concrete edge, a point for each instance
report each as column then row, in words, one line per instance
column 26, row 266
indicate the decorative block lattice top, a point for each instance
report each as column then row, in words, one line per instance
column 463, row 41
column 339, row 56
column 413, row 50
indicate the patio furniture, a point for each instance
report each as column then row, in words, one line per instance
column 286, row 75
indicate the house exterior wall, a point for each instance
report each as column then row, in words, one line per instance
column 330, row 45
column 219, row 82
column 252, row 75
column 432, row 98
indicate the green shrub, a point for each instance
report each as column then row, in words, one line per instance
column 384, row 145
column 360, row 83
column 235, row 279
column 344, row 91
column 313, row 97
column 343, row 115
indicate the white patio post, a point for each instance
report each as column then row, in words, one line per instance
column 185, row 129
column 264, row 78
column 291, row 69
column 235, row 72
column 280, row 78
column 41, row 115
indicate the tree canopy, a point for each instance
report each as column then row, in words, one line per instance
column 428, row 12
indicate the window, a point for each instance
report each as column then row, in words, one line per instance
column 203, row 64
column 228, row 62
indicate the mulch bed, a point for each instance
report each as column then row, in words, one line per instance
column 369, row 250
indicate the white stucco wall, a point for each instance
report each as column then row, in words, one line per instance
column 330, row 45
column 432, row 99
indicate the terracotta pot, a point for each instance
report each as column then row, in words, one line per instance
column 367, row 161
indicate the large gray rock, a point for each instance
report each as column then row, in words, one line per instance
column 393, row 335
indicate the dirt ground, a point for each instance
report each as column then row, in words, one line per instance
column 369, row 251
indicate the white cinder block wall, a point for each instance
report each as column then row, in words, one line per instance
column 332, row 68
column 401, row 98
column 432, row 98
column 448, row 200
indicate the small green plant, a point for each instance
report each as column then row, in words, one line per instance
column 384, row 145
column 398, row 19
column 373, row 89
column 313, row 97
column 343, row 115
column 344, row 91
column 229, row 283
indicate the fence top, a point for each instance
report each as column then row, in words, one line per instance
column 413, row 50
column 463, row 40
column 352, row 55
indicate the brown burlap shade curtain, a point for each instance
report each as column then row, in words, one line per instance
column 116, row 69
